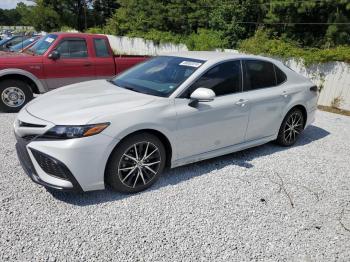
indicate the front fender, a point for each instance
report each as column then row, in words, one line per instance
column 16, row 71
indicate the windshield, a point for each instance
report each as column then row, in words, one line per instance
column 23, row 44
column 4, row 41
column 159, row 76
column 43, row 44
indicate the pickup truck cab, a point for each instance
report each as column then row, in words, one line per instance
column 57, row 60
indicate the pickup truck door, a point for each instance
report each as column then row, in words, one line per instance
column 74, row 65
column 104, row 60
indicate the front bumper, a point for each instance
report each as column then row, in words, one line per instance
column 69, row 165
column 28, row 167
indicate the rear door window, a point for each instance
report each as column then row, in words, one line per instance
column 258, row 74
column 101, row 48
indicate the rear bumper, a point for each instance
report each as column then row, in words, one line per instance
column 311, row 115
column 28, row 167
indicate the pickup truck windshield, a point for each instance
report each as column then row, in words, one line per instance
column 43, row 44
column 159, row 76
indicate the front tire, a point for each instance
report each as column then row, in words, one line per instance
column 291, row 127
column 136, row 163
column 14, row 94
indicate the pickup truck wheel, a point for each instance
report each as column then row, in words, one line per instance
column 14, row 95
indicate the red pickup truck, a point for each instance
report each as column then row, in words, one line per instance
column 57, row 60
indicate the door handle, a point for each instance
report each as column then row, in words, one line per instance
column 241, row 102
column 285, row 94
column 87, row 64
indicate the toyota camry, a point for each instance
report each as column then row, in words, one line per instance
column 169, row 111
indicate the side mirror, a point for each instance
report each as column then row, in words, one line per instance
column 8, row 45
column 54, row 55
column 202, row 94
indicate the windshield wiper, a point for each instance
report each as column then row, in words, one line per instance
column 132, row 89
column 28, row 51
column 125, row 87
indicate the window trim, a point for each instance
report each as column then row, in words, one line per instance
column 108, row 49
column 286, row 77
column 274, row 70
column 73, row 38
column 180, row 95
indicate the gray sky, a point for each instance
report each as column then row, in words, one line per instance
column 9, row 4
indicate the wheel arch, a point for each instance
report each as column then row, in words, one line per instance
column 18, row 74
column 162, row 137
column 303, row 110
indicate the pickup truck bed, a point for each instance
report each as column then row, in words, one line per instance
column 57, row 60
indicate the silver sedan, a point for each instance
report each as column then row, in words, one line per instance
column 166, row 112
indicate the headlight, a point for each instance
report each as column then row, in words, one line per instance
column 68, row 132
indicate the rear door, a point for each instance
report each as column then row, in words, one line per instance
column 103, row 60
column 74, row 65
column 263, row 92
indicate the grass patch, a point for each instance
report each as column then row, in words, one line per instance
column 334, row 110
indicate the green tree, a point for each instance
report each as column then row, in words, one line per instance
column 298, row 20
column 9, row 17
column 102, row 10
column 40, row 16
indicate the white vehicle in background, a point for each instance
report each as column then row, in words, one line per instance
column 166, row 112
column 5, row 34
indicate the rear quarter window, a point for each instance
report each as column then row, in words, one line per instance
column 101, row 47
column 280, row 76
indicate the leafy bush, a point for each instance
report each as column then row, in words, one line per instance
column 158, row 37
column 67, row 29
column 95, row 30
column 264, row 44
column 203, row 40
column 206, row 40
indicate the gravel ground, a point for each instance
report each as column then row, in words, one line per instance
column 267, row 203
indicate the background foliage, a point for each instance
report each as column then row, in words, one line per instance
column 316, row 30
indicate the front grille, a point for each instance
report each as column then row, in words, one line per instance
column 24, row 124
column 29, row 138
column 50, row 165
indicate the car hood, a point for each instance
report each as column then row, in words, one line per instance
column 7, row 55
column 80, row 104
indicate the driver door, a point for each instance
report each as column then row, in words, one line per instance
column 73, row 66
column 222, row 122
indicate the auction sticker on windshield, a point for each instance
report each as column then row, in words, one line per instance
column 49, row 40
column 191, row 64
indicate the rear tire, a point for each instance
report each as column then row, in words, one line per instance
column 136, row 163
column 291, row 127
column 14, row 95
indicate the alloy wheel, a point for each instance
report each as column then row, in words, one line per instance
column 293, row 127
column 139, row 164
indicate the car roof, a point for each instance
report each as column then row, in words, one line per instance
column 73, row 34
column 215, row 56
